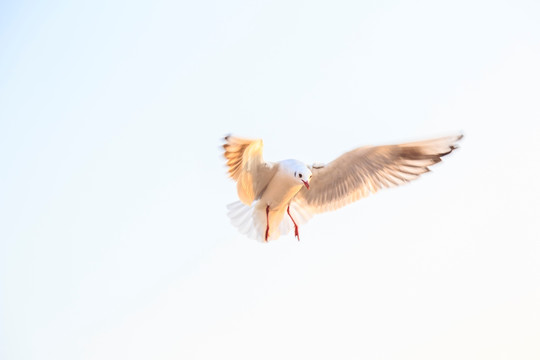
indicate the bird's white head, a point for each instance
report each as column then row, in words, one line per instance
column 301, row 173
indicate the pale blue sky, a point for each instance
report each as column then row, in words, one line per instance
column 114, row 239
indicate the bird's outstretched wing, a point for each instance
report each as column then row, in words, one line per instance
column 365, row 170
column 247, row 167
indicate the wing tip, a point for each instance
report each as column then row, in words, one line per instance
column 454, row 143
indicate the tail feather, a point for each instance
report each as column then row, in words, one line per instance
column 251, row 219
column 241, row 217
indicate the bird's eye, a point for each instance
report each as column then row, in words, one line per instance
column 300, row 176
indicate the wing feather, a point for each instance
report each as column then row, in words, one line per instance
column 366, row 170
column 247, row 167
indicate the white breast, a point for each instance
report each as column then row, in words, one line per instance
column 280, row 190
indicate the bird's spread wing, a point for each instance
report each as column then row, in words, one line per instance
column 365, row 170
column 247, row 167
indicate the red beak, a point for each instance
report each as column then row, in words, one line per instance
column 306, row 183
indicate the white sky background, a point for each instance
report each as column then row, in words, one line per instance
column 114, row 239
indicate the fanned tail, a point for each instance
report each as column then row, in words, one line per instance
column 243, row 217
column 250, row 220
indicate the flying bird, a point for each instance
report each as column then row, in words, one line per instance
column 276, row 197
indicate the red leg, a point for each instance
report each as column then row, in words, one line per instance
column 295, row 226
column 267, row 224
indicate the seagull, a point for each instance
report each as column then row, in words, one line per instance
column 278, row 196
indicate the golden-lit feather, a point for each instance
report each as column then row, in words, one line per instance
column 366, row 170
column 247, row 167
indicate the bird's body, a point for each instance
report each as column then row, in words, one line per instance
column 276, row 197
column 266, row 215
column 282, row 187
